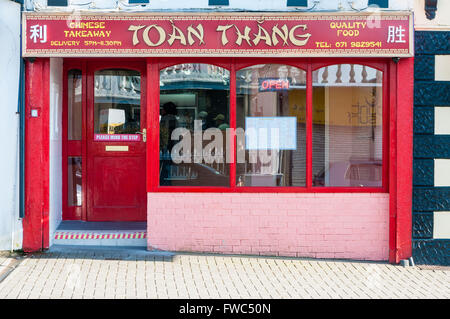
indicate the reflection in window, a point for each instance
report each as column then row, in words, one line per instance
column 194, row 106
column 74, row 181
column 347, row 126
column 74, row 105
column 117, row 102
column 271, row 99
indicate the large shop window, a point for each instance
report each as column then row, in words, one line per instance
column 289, row 129
column 194, row 117
column 347, row 126
column 271, row 101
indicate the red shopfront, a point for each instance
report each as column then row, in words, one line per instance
column 291, row 134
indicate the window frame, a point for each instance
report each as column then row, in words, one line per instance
column 73, row 148
column 381, row 66
column 155, row 65
column 223, row 63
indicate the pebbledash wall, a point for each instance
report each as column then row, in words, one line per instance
column 431, row 195
column 354, row 226
column 10, row 223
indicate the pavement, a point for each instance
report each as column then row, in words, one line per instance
column 80, row 272
column 8, row 262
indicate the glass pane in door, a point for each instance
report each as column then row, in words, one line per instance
column 117, row 104
column 74, row 105
column 74, row 181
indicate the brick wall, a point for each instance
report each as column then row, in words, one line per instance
column 353, row 226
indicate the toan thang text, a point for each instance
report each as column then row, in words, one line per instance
column 278, row 34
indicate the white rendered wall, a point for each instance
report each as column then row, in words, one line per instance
column 56, row 89
column 249, row 5
column 440, row 23
column 10, row 224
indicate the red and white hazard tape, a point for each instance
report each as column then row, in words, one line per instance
column 71, row 235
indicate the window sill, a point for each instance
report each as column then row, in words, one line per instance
column 212, row 189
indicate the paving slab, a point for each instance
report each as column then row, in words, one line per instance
column 136, row 273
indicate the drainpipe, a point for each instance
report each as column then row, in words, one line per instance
column 21, row 112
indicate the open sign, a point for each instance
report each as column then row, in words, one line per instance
column 273, row 84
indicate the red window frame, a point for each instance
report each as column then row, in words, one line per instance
column 78, row 148
column 75, row 148
column 155, row 65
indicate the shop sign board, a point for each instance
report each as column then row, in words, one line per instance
column 218, row 34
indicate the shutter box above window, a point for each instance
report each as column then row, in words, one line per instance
column 380, row 3
column 218, row 2
column 297, row 3
column 57, row 3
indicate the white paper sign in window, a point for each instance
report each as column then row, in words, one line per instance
column 264, row 133
column 112, row 118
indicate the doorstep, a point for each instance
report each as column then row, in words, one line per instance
column 80, row 233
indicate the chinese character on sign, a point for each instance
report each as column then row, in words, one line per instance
column 396, row 34
column 38, row 32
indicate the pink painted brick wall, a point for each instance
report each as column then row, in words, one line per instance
column 337, row 225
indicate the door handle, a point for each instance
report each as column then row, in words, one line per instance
column 144, row 135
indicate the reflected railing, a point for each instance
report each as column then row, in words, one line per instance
column 191, row 72
column 348, row 75
column 248, row 78
column 188, row 171
column 118, row 86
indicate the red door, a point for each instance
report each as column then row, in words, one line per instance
column 116, row 137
